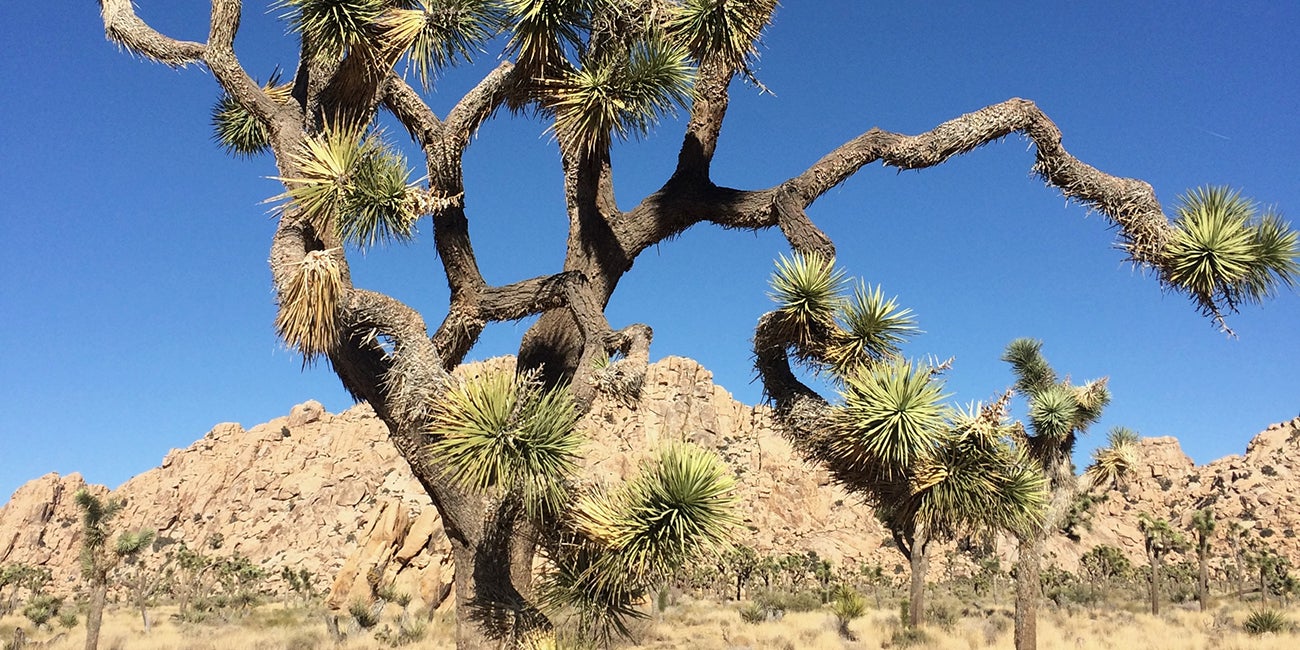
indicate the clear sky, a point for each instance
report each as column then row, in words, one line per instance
column 136, row 307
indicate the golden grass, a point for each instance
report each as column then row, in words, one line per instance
column 707, row 626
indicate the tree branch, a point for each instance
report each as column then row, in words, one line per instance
column 1128, row 203
column 220, row 59
column 123, row 27
column 411, row 110
column 474, row 108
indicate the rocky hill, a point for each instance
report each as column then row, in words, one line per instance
column 328, row 493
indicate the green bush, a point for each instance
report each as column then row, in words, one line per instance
column 847, row 605
column 41, row 608
column 68, row 619
column 803, row 601
column 363, row 614
column 753, row 613
column 1267, row 620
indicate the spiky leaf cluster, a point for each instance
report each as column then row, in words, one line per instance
column 331, row 27
column 438, row 34
column 354, row 184
column 619, row 97
column 681, row 502
column 974, row 479
column 1112, row 463
column 505, row 432
column 238, row 131
column 544, row 31
column 725, row 31
column 892, row 415
column 1160, row 537
column 830, row 330
column 679, row 508
column 1224, row 253
column 1058, row 410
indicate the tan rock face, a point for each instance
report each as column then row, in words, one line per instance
column 329, row 493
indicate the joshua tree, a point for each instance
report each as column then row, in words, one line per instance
column 930, row 471
column 1159, row 539
column 1058, row 413
column 1203, row 525
column 595, row 71
column 99, row 557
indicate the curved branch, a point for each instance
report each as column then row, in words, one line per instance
column 220, row 59
column 707, row 113
column 123, row 27
column 1128, row 203
column 411, row 110
column 475, row 107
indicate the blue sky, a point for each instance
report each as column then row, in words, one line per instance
column 136, row 307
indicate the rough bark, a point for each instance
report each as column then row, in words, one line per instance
column 1203, row 574
column 1156, row 571
column 1029, row 593
column 95, row 613
column 920, row 564
column 1029, row 589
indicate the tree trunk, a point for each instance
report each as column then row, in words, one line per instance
column 95, row 617
column 493, row 583
column 920, row 563
column 1203, row 578
column 1155, row 585
column 1028, row 592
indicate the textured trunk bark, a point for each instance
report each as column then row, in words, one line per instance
column 1155, row 585
column 1028, row 593
column 95, row 617
column 493, row 584
column 920, row 563
column 1203, row 578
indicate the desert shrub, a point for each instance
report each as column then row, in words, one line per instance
column 909, row 637
column 752, row 612
column 847, row 605
column 802, row 601
column 1266, row 620
column 68, row 619
column 364, row 614
column 304, row 641
column 408, row 631
column 41, row 608
column 941, row 614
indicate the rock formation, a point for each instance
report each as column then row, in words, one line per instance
column 328, row 493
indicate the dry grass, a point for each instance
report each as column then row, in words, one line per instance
column 708, row 626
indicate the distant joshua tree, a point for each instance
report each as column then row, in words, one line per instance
column 1160, row 539
column 99, row 556
column 1203, row 525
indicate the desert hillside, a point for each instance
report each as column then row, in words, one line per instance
column 328, row 493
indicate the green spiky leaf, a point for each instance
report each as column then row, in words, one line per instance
column 681, row 506
column 331, row 27
column 238, row 131
column 725, row 31
column 1223, row 254
column 542, row 31
column 501, row 431
column 437, row 34
column 616, row 98
column 874, row 329
column 891, row 416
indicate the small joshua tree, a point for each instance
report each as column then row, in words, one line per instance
column 1160, row 539
column 1203, row 525
column 99, row 556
